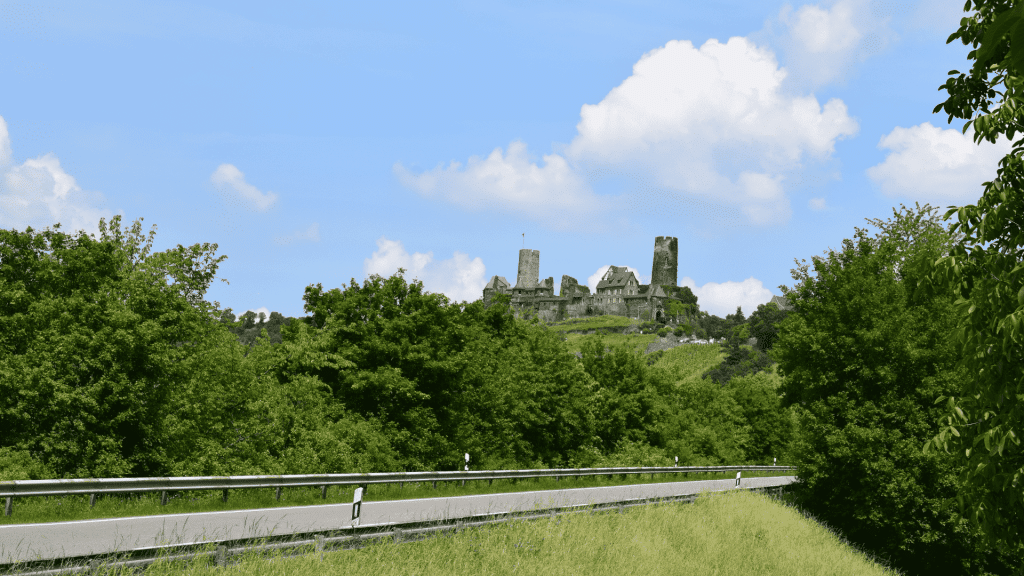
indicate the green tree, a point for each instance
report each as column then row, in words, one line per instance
column 409, row 350
column 984, row 421
column 527, row 401
column 90, row 346
column 863, row 359
column 764, row 325
column 631, row 398
column 707, row 426
column 771, row 424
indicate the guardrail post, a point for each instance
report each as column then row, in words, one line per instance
column 92, row 500
column 398, row 535
column 278, row 495
column 163, row 497
column 489, row 481
column 319, row 540
column 357, row 503
column 435, row 484
column 222, row 555
column 323, row 492
column 224, row 495
column 9, row 507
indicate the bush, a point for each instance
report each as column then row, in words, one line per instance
column 663, row 332
column 678, row 331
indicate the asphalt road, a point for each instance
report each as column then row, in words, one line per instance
column 25, row 542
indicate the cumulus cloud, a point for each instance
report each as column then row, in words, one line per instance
column 230, row 180
column 822, row 45
column 941, row 167
column 594, row 278
column 816, row 203
column 310, row 234
column 710, row 123
column 40, row 193
column 722, row 299
column 459, row 278
column 257, row 311
column 510, row 181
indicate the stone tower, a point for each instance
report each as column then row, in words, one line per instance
column 666, row 261
column 529, row 268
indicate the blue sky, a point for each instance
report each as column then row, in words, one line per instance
column 323, row 142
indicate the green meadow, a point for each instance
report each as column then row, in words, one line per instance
column 731, row 533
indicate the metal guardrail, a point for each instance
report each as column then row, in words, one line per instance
column 346, row 539
column 92, row 486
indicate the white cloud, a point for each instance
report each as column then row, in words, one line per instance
column 458, row 278
column 40, row 194
column 510, row 182
column 816, row 203
column 310, row 234
column 822, row 45
column 594, row 278
column 6, row 155
column 230, row 180
column 823, row 31
column 710, row 122
column 941, row 167
column 722, row 299
column 257, row 311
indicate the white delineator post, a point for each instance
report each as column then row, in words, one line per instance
column 677, row 460
column 774, row 460
column 738, row 479
column 467, row 467
column 357, row 503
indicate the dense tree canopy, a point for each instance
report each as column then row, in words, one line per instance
column 87, row 353
column 983, row 422
column 863, row 357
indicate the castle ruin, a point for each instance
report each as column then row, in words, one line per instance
column 618, row 293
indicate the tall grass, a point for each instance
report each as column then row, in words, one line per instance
column 732, row 533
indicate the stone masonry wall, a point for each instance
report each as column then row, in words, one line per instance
column 666, row 261
column 529, row 268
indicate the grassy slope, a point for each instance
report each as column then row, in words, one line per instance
column 733, row 533
column 592, row 323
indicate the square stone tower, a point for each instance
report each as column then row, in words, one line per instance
column 666, row 261
column 529, row 269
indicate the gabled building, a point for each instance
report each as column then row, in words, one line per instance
column 781, row 301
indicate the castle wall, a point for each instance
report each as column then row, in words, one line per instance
column 573, row 300
column 666, row 261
